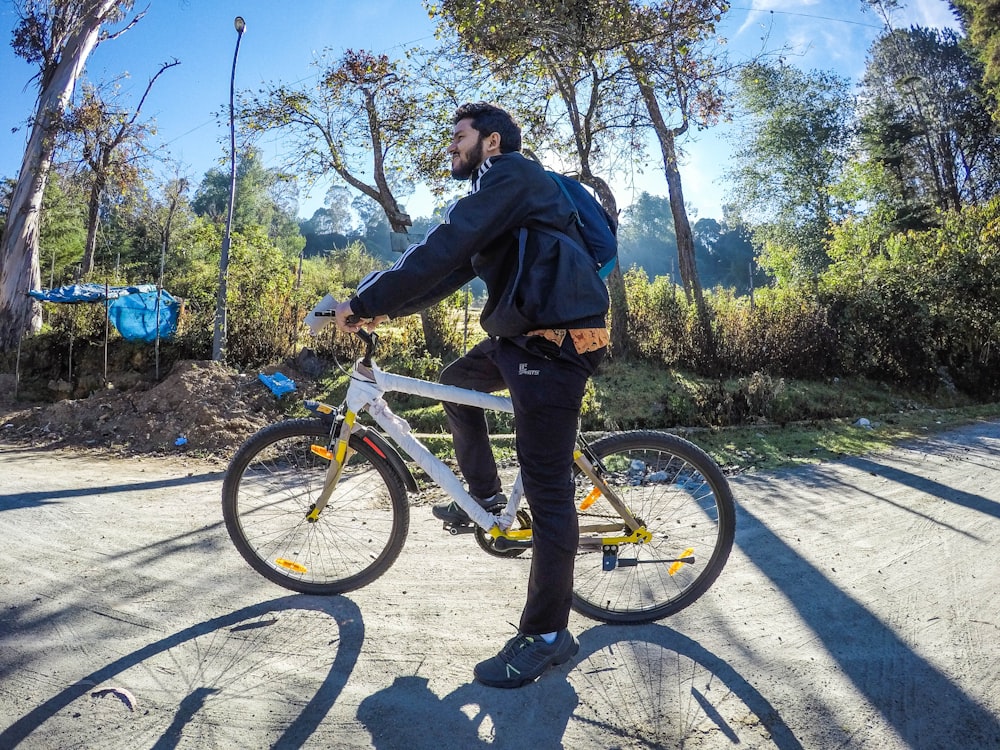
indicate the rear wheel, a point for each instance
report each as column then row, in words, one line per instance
column 680, row 496
column 271, row 487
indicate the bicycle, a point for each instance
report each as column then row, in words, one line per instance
column 318, row 505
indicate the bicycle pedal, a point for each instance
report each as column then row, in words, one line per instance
column 503, row 544
column 458, row 528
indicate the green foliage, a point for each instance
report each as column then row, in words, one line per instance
column 260, row 325
column 261, row 201
column 660, row 319
column 726, row 256
column 942, row 282
column 646, row 236
column 778, row 331
column 982, row 19
column 790, row 159
column 63, row 230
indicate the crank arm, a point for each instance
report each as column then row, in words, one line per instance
column 631, row 563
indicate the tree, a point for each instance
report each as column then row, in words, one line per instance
column 363, row 111
column 111, row 142
column 677, row 79
column 982, row 19
column 260, row 202
column 646, row 237
column 924, row 120
column 794, row 150
column 726, row 254
column 63, row 229
column 58, row 36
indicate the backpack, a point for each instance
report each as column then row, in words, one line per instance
column 598, row 229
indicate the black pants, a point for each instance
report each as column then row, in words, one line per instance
column 546, row 384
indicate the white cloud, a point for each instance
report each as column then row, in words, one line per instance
column 930, row 13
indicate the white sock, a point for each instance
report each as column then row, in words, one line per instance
column 550, row 638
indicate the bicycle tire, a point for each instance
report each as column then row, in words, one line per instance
column 683, row 499
column 270, row 487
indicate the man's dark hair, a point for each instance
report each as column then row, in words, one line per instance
column 489, row 118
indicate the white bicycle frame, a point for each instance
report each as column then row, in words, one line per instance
column 365, row 394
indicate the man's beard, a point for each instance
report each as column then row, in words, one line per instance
column 468, row 165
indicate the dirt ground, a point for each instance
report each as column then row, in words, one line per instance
column 860, row 609
column 202, row 408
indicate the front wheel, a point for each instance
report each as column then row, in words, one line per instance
column 270, row 489
column 680, row 496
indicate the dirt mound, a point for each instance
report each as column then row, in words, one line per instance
column 202, row 406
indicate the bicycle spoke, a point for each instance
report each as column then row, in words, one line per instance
column 681, row 499
column 355, row 537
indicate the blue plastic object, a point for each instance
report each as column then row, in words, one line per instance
column 278, row 383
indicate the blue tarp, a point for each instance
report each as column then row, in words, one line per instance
column 132, row 310
column 135, row 315
column 88, row 292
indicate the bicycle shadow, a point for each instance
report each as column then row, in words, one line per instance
column 226, row 639
column 610, row 695
column 652, row 686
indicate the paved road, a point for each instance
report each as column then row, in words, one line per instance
column 860, row 609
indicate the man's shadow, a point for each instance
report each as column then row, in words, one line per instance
column 409, row 715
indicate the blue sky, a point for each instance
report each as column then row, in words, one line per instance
column 283, row 38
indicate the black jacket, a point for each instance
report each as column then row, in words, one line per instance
column 532, row 283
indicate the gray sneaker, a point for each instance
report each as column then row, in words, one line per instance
column 452, row 513
column 524, row 658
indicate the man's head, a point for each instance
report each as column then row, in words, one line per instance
column 481, row 130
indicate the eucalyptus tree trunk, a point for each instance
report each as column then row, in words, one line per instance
column 19, row 270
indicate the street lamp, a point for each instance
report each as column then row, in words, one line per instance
column 219, row 339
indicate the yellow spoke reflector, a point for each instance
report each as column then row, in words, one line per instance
column 689, row 552
column 290, row 565
column 322, row 451
column 589, row 499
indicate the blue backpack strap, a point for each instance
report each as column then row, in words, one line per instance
column 558, row 181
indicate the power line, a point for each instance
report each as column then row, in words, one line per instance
column 807, row 15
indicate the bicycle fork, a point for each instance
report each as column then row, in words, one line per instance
column 337, row 457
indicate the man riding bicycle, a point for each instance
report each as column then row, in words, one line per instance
column 545, row 320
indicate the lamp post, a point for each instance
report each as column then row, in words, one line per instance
column 219, row 339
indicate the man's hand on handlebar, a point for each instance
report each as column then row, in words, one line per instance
column 348, row 322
